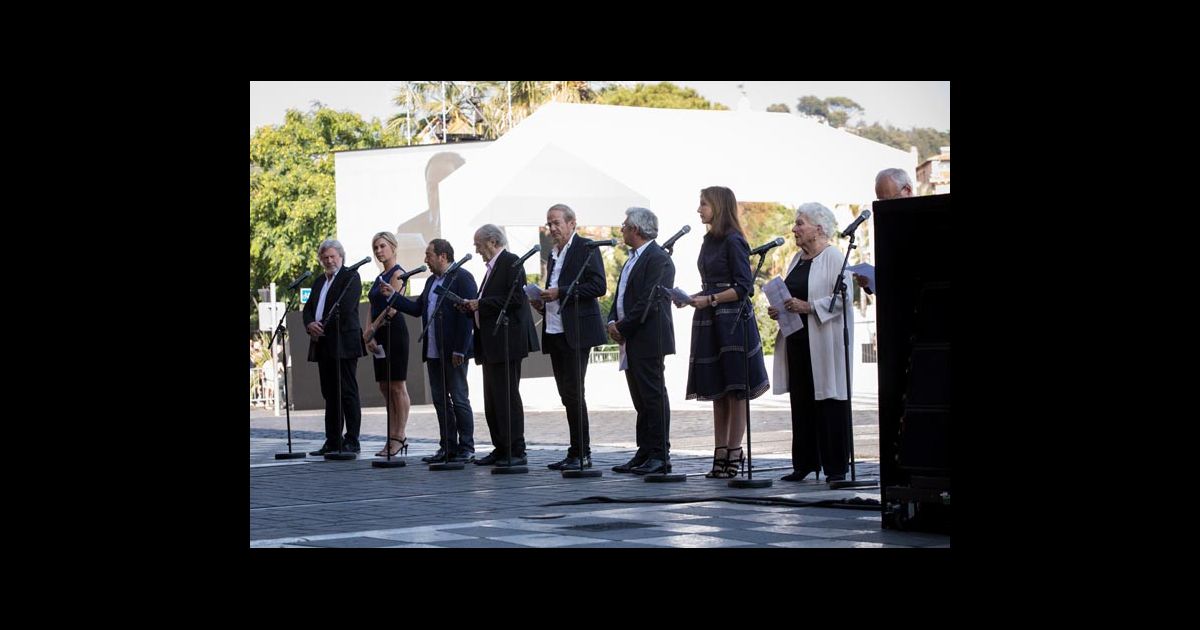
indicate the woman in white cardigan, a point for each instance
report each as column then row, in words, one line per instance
column 811, row 362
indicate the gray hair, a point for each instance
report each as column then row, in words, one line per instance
column 334, row 243
column 492, row 234
column 644, row 222
column 898, row 176
column 568, row 213
column 819, row 216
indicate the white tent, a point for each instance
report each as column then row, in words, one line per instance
column 600, row 159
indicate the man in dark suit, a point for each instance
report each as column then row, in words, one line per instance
column 521, row 338
column 644, row 344
column 569, row 342
column 335, row 343
column 448, row 343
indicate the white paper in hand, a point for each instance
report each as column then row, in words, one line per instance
column 378, row 354
column 777, row 293
column 679, row 296
column 533, row 292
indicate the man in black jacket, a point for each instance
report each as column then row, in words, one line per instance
column 500, row 278
column 644, row 344
column 335, row 343
column 572, row 325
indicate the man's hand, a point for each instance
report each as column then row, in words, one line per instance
column 614, row 332
column 549, row 295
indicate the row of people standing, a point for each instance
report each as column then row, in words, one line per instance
column 809, row 364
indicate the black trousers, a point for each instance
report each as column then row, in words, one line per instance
column 819, row 440
column 569, row 374
column 498, row 414
column 649, row 393
column 330, row 370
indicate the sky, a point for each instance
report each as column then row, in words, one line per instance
column 901, row 104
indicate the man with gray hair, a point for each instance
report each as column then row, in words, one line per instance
column 501, row 278
column 335, row 343
column 890, row 183
column 572, row 325
column 644, row 344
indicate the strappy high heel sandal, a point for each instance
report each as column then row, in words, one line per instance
column 387, row 452
column 733, row 467
column 718, row 466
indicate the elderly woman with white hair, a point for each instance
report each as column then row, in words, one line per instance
column 810, row 363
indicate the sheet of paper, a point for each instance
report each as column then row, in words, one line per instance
column 865, row 269
column 776, row 292
column 533, row 292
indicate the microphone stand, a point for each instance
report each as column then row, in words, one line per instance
column 749, row 481
column 335, row 317
column 387, row 441
column 664, row 476
column 450, row 426
column 582, row 472
column 503, row 321
column 287, row 406
column 840, row 287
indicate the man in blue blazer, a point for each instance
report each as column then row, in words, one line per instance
column 449, row 336
column 571, row 327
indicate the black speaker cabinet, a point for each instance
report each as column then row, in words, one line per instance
column 914, row 244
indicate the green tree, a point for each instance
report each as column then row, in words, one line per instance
column 927, row 140
column 292, row 190
column 835, row 110
column 663, row 95
column 780, row 108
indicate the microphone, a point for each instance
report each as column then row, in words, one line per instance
column 764, row 248
column 853, row 226
column 358, row 264
column 452, row 268
column 680, row 233
column 448, row 294
column 534, row 250
column 421, row 269
column 612, row 242
column 292, row 286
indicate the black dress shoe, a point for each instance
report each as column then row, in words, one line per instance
column 652, row 466
column 628, row 466
column 487, row 460
column 829, row 478
column 463, row 458
column 516, row 461
column 435, row 458
column 321, row 451
column 571, row 463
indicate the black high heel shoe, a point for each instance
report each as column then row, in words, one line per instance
column 387, row 452
column 799, row 476
column 733, row 467
column 718, row 465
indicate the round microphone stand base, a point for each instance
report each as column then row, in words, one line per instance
column 289, row 455
column 749, row 483
column 510, row 470
column 447, row 466
column 395, row 462
column 664, row 478
column 341, row 456
column 835, row 485
column 580, row 474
